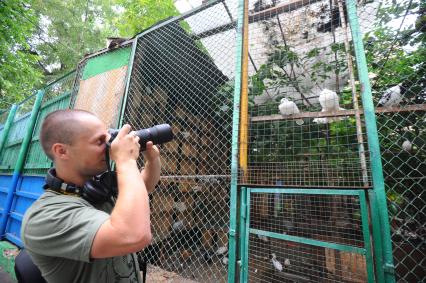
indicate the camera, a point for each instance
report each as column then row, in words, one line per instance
column 158, row 134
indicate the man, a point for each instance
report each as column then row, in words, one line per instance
column 73, row 240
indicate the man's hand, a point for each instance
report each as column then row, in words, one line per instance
column 125, row 146
column 152, row 153
column 128, row 229
column 151, row 172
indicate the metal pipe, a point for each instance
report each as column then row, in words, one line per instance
column 373, row 144
column 244, row 124
column 361, row 149
column 235, row 134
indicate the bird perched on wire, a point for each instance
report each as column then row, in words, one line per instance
column 392, row 96
column 329, row 101
column 288, row 107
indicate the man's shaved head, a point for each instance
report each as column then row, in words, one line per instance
column 61, row 126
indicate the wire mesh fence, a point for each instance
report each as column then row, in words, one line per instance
column 299, row 237
column 394, row 46
column 305, row 128
column 304, row 263
column 181, row 74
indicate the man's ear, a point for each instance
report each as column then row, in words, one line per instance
column 60, row 151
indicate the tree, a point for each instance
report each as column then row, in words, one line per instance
column 18, row 72
column 69, row 30
column 138, row 15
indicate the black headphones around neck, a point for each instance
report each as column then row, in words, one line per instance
column 99, row 189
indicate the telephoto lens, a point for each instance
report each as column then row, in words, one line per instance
column 158, row 134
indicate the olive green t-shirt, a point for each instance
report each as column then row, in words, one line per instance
column 58, row 232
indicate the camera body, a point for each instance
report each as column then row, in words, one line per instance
column 158, row 134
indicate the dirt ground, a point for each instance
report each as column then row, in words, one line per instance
column 156, row 274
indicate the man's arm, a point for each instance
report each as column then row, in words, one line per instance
column 151, row 172
column 128, row 229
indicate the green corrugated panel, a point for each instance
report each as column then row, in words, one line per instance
column 107, row 62
column 13, row 144
column 36, row 161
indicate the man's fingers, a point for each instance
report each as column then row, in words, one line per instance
column 124, row 131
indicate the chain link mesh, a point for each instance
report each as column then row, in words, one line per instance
column 304, row 128
column 326, row 218
column 395, row 50
column 183, row 72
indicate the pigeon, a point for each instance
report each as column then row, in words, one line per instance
column 407, row 145
column 329, row 101
column 392, row 96
column 278, row 266
column 288, row 107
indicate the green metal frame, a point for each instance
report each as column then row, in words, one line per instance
column 382, row 241
column 234, row 151
column 245, row 229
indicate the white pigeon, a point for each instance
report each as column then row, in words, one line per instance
column 391, row 97
column 288, row 107
column 329, row 101
column 407, row 145
column 278, row 266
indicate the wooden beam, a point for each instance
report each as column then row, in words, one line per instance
column 277, row 117
column 408, row 108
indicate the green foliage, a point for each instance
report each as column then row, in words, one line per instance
column 396, row 55
column 69, row 30
column 285, row 67
column 18, row 71
column 399, row 56
column 139, row 15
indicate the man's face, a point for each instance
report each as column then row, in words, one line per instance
column 87, row 152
